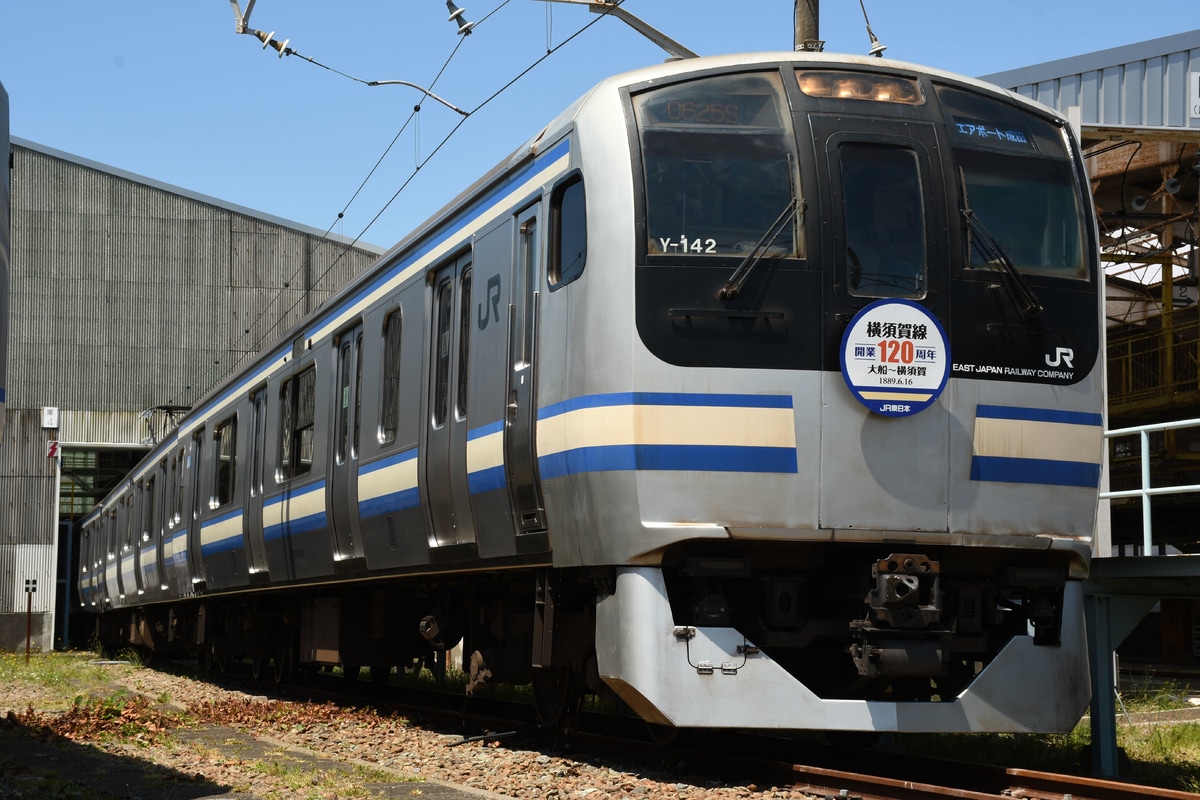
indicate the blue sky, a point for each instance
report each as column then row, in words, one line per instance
column 168, row 91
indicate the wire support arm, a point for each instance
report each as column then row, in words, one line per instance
column 424, row 91
column 613, row 8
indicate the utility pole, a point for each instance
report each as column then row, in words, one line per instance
column 808, row 27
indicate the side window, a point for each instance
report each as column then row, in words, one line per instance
column 568, row 232
column 225, row 459
column 197, row 472
column 390, row 379
column 306, row 404
column 172, row 489
column 126, row 521
column 464, row 340
column 148, row 508
column 349, row 351
column 298, row 399
column 358, row 375
column 180, row 488
column 343, row 398
column 286, row 415
column 257, row 436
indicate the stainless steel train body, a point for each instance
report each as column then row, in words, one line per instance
column 599, row 418
column 5, row 245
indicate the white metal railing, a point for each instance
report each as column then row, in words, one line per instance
column 1146, row 491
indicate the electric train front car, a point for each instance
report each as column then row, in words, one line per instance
column 828, row 398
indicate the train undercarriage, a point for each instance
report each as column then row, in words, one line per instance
column 835, row 623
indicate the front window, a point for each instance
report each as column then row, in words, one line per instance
column 885, row 221
column 720, row 167
column 1017, row 184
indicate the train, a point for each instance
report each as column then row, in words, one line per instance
column 754, row 391
column 5, row 245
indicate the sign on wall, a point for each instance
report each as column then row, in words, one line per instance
column 1194, row 93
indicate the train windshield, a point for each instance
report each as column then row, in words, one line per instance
column 720, row 167
column 1017, row 184
column 885, row 220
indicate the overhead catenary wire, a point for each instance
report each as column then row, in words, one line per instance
column 348, row 246
column 455, row 129
column 339, row 219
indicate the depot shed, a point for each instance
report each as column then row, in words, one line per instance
column 129, row 299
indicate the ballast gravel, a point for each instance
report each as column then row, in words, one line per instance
column 380, row 756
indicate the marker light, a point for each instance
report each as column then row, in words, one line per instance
column 861, row 86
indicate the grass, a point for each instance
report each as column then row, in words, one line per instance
column 301, row 779
column 64, row 674
column 1164, row 754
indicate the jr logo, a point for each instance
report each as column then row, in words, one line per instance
column 493, row 299
column 1063, row 356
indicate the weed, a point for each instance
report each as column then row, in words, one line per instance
column 297, row 777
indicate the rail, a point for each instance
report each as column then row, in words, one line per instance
column 1145, row 491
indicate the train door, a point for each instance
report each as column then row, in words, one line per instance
column 183, row 522
column 886, row 239
column 197, row 490
column 112, row 558
column 520, row 456
column 444, row 457
column 162, row 523
column 150, row 560
column 256, row 548
column 127, row 518
column 343, row 477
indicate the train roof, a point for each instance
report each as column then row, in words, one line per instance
column 681, row 67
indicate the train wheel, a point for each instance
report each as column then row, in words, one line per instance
column 281, row 664
column 380, row 674
column 556, row 695
column 662, row 735
column 258, row 668
column 350, row 671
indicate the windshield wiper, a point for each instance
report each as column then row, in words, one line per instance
column 994, row 254
column 733, row 286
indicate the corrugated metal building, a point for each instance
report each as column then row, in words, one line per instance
column 128, row 299
column 1150, row 85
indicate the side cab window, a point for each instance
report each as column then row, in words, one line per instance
column 568, row 232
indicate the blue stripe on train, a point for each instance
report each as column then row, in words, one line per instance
column 1039, row 415
column 696, row 458
column 293, row 527
column 1035, row 470
column 390, row 503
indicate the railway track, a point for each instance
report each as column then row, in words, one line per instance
column 1016, row 783
column 829, row 772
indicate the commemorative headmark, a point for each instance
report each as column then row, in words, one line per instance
column 895, row 357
